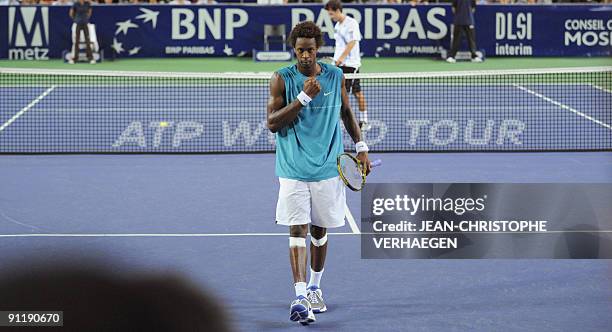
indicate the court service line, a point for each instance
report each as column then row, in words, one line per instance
column 151, row 234
column 563, row 106
column 269, row 234
column 351, row 220
column 601, row 88
column 27, row 108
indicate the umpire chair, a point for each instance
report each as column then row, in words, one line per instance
column 93, row 40
column 276, row 34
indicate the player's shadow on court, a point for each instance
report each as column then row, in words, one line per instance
column 253, row 312
column 320, row 324
column 332, row 320
column 374, row 315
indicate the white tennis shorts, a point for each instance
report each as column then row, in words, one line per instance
column 320, row 203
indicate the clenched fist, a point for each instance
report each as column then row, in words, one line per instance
column 312, row 87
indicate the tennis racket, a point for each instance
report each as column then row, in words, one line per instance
column 352, row 172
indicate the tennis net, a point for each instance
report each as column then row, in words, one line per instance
column 54, row 111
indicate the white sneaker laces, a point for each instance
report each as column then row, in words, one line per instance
column 312, row 297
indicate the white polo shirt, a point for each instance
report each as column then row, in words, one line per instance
column 344, row 33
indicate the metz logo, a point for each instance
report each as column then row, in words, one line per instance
column 28, row 29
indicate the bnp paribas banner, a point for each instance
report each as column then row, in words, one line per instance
column 230, row 30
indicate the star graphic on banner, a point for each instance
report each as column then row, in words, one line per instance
column 124, row 26
column 117, row 46
column 228, row 50
column 135, row 50
column 148, row 16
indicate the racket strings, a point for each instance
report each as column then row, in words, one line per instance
column 352, row 172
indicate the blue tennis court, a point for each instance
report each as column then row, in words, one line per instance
column 184, row 212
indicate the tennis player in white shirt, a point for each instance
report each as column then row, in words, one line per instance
column 347, row 55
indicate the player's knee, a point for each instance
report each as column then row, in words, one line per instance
column 297, row 242
column 317, row 231
column 318, row 242
column 318, row 235
column 298, row 231
column 297, row 236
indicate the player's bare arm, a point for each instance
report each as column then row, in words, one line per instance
column 279, row 114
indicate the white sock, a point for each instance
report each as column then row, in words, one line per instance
column 364, row 116
column 300, row 289
column 315, row 278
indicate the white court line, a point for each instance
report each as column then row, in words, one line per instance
column 263, row 234
column 351, row 220
column 563, row 106
column 27, row 108
column 153, row 234
column 601, row 88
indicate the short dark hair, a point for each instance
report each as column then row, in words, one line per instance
column 333, row 5
column 306, row 29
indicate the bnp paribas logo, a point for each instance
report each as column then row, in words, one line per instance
column 124, row 46
column 28, row 29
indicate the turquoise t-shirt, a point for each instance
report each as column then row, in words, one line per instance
column 307, row 149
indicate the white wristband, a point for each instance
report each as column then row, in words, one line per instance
column 361, row 146
column 304, row 98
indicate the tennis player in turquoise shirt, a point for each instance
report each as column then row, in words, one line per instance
column 306, row 103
